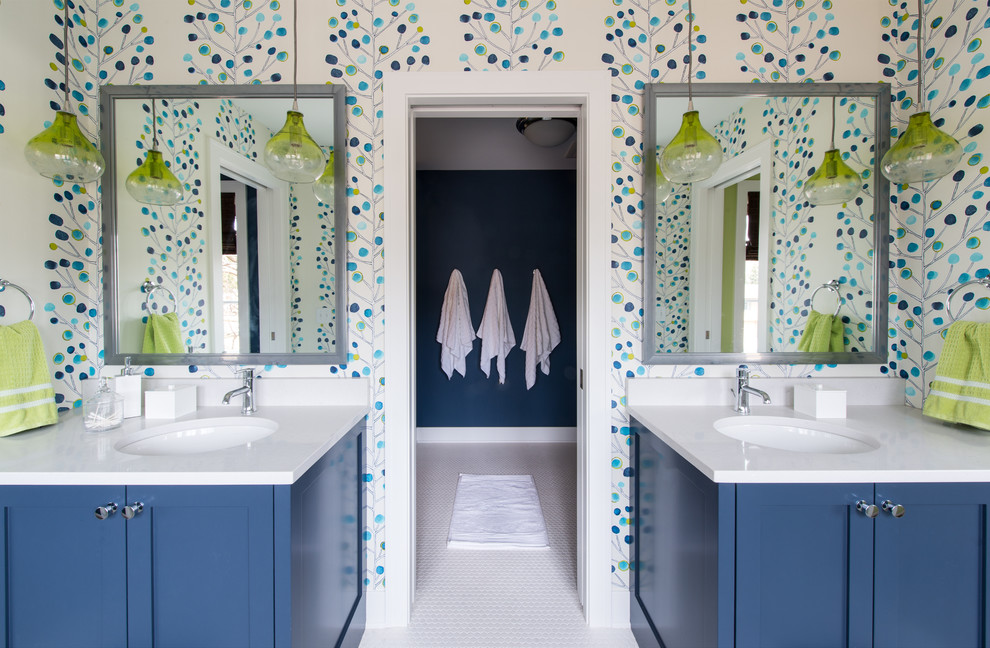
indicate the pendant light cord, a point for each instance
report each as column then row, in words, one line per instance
column 154, row 126
column 295, row 52
column 833, row 123
column 690, row 56
column 920, row 27
column 65, row 52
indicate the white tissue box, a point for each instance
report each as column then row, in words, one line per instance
column 819, row 401
column 169, row 403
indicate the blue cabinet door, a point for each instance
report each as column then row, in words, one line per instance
column 804, row 566
column 65, row 569
column 201, row 567
column 931, row 566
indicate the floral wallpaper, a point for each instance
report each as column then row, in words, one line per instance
column 937, row 229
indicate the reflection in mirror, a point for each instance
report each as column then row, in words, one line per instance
column 246, row 267
column 741, row 266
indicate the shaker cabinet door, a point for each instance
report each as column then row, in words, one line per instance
column 66, row 578
column 931, row 565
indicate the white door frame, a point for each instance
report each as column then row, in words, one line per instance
column 499, row 94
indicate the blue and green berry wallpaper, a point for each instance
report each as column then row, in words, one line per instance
column 51, row 243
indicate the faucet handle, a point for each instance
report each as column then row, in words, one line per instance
column 246, row 372
column 742, row 372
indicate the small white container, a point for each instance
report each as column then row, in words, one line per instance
column 129, row 387
column 820, row 401
column 169, row 403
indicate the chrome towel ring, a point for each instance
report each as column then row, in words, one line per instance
column 3, row 286
column 984, row 281
column 149, row 289
column 831, row 286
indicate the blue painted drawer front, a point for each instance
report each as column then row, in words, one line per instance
column 804, row 565
column 65, row 571
column 201, row 567
column 931, row 566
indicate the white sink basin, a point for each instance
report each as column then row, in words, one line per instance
column 795, row 435
column 195, row 436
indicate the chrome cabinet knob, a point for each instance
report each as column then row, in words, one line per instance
column 105, row 511
column 132, row 510
column 894, row 509
column 867, row 509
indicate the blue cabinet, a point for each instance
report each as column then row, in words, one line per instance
column 801, row 564
column 237, row 566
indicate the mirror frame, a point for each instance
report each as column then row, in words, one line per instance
column 881, row 218
column 111, row 331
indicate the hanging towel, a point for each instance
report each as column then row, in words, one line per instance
column 162, row 334
column 960, row 392
column 456, row 335
column 27, row 399
column 542, row 333
column 822, row 333
column 497, row 338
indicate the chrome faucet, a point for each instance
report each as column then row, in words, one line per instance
column 743, row 391
column 248, row 406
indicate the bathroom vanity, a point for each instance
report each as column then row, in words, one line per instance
column 741, row 544
column 254, row 545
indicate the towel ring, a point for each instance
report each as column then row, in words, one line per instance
column 831, row 286
column 150, row 288
column 984, row 281
column 3, row 286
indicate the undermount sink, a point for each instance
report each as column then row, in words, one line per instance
column 795, row 435
column 196, row 436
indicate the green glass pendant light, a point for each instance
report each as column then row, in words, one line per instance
column 664, row 187
column 693, row 154
column 834, row 182
column 153, row 183
column 324, row 187
column 61, row 151
column 923, row 152
column 291, row 154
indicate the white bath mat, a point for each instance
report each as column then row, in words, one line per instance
column 497, row 512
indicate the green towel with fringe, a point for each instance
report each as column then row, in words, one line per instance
column 162, row 334
column 27, row 399
column 960, row 392
column 822, row 333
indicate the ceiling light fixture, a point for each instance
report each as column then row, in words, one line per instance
column 693, row 154
column 291, row 154
column 547, row 131
column 61, row 151
column 923, row 152
column 153, row 183
column 834, row 182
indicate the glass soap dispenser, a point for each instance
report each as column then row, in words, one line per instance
column 104, row 410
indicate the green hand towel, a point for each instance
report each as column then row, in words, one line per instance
column 162, row 334
column 27, row 399
column 822, row 333
column 960, row 392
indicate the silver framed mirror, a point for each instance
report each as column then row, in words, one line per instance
column 245, row 268
column 740, row 266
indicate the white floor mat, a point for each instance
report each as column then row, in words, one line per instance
column 497, row 512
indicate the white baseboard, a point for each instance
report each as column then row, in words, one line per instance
column 496, row 435
column 375, row 609
column 620, row 608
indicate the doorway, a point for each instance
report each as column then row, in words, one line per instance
column 421, row 94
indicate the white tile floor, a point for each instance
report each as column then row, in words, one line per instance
column 496, row 598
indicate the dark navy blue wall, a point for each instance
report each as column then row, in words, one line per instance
column 477, row 221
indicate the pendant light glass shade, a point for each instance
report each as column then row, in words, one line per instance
column 693, row 154
column 324, row 187
column 153, row 183
column 833, row 183
column 664, row 187
column 61, row 152
column 291, row 154
column 922, row 153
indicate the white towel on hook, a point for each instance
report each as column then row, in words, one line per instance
column 455, row 335
column 497, row 338
column 542, row 333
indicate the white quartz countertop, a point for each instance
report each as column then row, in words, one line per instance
column 66, row 454
column 912, row 447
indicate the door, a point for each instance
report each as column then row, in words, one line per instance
column 201, row 566
column 804, row 565
column 931, row 565
column 66, row 582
